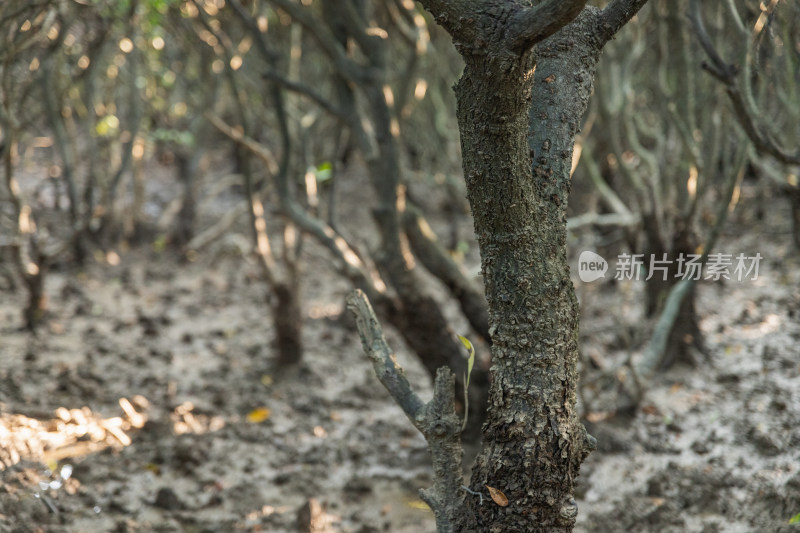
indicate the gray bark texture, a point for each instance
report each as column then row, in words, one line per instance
column 436, row 420
column 526, row 83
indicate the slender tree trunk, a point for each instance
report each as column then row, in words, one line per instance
column 37, row 303
column 187, row 168
column 53, row 108
column 685, row 332
column 288, row 319
column 793, row 194
column 135, row 105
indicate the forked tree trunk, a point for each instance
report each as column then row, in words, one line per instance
column 534, row 440
column 685, row 333
column 518, row 181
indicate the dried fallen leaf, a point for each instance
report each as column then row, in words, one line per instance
column 259, row 414
column 550, row 79
column 497, row 496
column 650, row 409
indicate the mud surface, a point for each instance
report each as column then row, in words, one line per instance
column 150, row 401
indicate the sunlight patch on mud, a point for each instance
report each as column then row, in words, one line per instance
column 771, row 324
column 324, row 310
column 184, row 420
column 72, row 433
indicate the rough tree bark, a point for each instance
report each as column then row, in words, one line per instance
column 517, row 172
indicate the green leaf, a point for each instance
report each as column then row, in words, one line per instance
column 470, row 364
column 795, row 519
column 324, row 172
column 471, row 360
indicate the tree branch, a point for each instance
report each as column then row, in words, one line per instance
column 346, row 66
column 457, row 17
column 389, row 372
column 308, row 91
column 616, row 15
column 534, row 24
column 603, row 220
column 271, row 58
column 719, row 68
column 744, row 109
column 607, row 194
column 351, row 264
column 436, row 420
column 439, row 263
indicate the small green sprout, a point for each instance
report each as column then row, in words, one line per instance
column 470, row 364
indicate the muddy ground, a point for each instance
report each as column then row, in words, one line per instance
column 150, row 401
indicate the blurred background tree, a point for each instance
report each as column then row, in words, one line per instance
column 263, row 110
